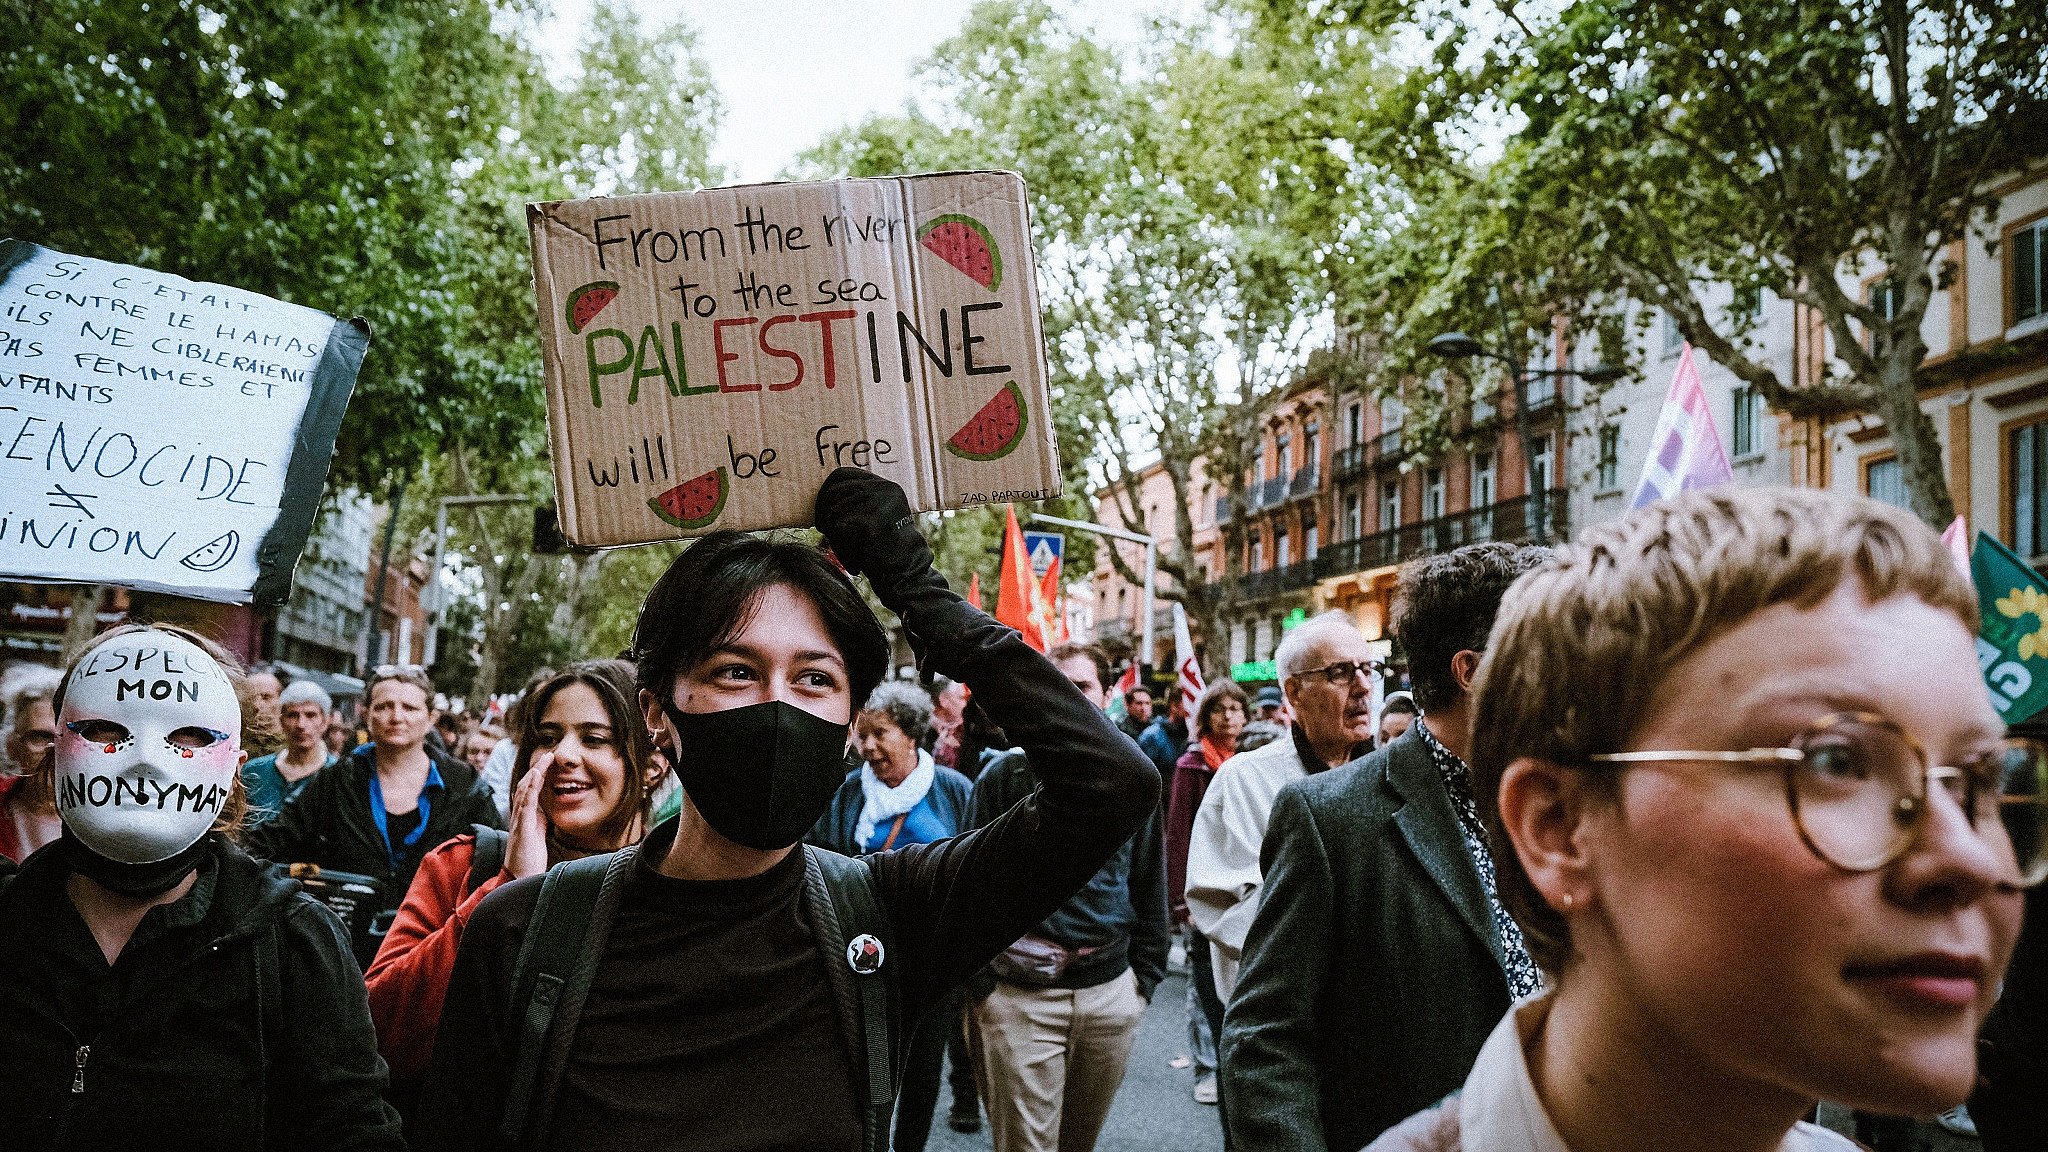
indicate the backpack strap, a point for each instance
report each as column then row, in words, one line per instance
column 489, row 858
column 551, row 978
column 845, row 910
column 270, row 1018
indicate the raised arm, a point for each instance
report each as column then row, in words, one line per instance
column 958, row 903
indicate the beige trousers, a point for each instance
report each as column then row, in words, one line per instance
column 1050, row 1060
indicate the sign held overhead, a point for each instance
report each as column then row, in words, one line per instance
column 711, row 356
column 159, row 432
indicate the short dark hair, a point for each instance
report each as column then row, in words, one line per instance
column 1399, row 704
column 708, row 595
column 1445, row 604
column 1091, row 652
column 1135, row 689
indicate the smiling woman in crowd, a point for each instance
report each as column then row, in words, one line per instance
column 1807, row 891
column 582, row 784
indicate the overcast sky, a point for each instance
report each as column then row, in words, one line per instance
column 790, row 72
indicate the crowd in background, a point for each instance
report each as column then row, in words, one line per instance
column 1414, row 918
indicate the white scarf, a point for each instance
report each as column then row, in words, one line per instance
column 885, row 803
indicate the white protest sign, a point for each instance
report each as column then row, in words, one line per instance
column 158, row 432
column 711, row 356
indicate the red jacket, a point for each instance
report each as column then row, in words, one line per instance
column 1191, row 777
column 409, row 977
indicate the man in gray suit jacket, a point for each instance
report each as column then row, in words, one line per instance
column 1380, row 958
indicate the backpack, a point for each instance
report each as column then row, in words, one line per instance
column 566, row 937
column 489, row 857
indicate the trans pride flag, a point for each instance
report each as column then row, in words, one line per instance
column 1685, row 451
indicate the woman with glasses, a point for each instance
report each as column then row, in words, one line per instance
column 379, row 812
column 1762, row 860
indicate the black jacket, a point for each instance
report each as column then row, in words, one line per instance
column 330, row 824
column 1122, row 910
column 1373, row 972
column 234, row 1019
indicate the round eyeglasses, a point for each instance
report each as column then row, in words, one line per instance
column 1859, row 789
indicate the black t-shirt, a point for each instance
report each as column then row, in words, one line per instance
column 711, row 993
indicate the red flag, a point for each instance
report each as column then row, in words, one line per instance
column 1052, row 621
column 1017, row 593
column 974, row 589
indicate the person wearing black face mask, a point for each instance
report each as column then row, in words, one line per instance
column 716, row 1010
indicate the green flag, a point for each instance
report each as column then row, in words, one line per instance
column 2012, row 648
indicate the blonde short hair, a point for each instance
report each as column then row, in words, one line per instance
column 1580, row 645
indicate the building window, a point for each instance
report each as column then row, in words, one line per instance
column 1884, row 300
column 1257, row 563
column 1745, row 401
column 1354, row 517
column 1311, row 441
column 2030, row 489
column 2030, row 272
column 1390, row 505
column 1540, row 469
column 1610, row 457
column 1237, row 643
column 1673, row 339
column 1309, row 537
column 1354, row 423
column 1281, row 556
column 1281, row 460
column 1484, row 491
column 1391, row 414
column 1433, row 494
column 1885, row 480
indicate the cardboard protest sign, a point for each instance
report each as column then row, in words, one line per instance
column 158, row 432
column 712, row 356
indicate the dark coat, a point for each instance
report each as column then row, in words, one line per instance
column 329, row 823
column 1121, row 912
column 834, row 830
column 1373, row 972
column 234, row 1019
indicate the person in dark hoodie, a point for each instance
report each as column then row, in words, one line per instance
column 158, row 987
column 380, row 810
column 729, row 988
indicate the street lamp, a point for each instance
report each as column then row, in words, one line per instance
column 1459, row 346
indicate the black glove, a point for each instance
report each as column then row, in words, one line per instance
column 868, row 522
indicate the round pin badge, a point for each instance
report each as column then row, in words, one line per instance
column 864, row 954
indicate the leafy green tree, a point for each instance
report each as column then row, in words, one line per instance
column 1606, row 155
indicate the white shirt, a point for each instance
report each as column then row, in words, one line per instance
column 1223, row 850
column 1498, row 1109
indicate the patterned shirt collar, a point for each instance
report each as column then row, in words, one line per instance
column 1522, row 975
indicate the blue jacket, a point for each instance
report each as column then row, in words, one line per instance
column 834, row 830
column 1164, row 741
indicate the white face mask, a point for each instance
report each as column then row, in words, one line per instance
column 148, row 746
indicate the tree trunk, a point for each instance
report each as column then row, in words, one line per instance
column 498, row 628
column 85, row 618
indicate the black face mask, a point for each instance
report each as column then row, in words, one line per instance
column 138, row 880
column 759, row 775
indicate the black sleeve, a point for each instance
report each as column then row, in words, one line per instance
column 477, row 807
column 1150, row 931
column 1272, row 1094
column 333, row 1081
column 956, row 904
column 463, row 1101
column 294, row 836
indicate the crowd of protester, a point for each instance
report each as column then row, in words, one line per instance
column 1655, row 849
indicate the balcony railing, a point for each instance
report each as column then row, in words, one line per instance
column 1304, row 483
column 1268, row 493
column 1508, row 520
column 1223, row 510
column 1388, row 448
column 1349, row 462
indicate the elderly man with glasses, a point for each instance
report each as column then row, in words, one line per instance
column 1326, row 671
column 1380, row 957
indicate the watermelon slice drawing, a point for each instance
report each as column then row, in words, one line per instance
column 586, row 302
column 996, row 430
column 693, row 504
column 965, row 243
column 215, row 554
